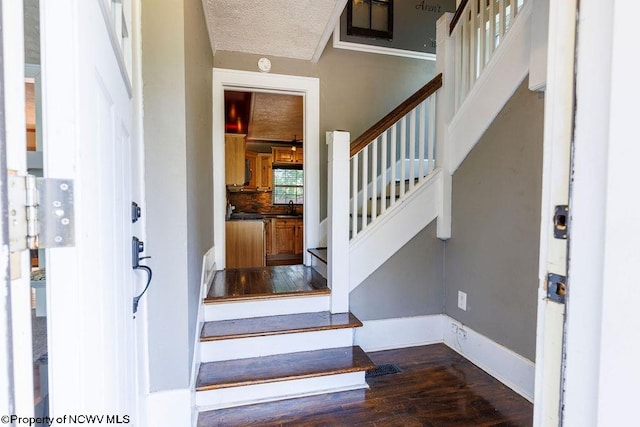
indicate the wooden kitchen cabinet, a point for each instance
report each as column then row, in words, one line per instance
column 299, row 238
column 252, row 161
column 286, row 155
column 285, row 230
column 264, row 171
column 268, row 236
column 245, row 245
column 234, row 153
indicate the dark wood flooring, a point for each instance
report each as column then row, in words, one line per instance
column 276, row 325
column 437, row 387
column 266, row 282
column 281, row 367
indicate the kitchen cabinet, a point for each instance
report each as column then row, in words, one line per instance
column 234, row 153
column 299, row 238
column 286, row 155
column 251, row 158
column 245, row 245
column 268, row 236
column 285, row 236
column 264, row 171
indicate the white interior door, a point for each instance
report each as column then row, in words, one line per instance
column 20, row 391
column 558, row 128
column 87, row 127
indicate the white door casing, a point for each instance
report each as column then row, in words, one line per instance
column 558, row 128
column 309, row 88
column 87, row 126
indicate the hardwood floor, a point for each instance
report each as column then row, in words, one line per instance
column 437, row 387
column 266, row 282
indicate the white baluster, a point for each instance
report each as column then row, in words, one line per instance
column 431, row 139
column 394, row 160
column 403, row 153
column 482, row 43
column 412, row 148
column 354, row 194
column 365, row 185
column 374, row 179
column 383, row 169
column 492, row 27
column 473, row 42
column 422, row 139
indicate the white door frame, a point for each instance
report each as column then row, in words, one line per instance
column 309, row 88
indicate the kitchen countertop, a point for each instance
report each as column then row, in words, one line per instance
column 247, row 216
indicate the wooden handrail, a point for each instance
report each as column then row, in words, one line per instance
column 457, row 15
column 401, row 110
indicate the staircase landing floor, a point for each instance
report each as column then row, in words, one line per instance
column 266, row 282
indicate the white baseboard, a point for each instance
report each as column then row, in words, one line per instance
column 385, row 334
column 508, row 367
column 169, row 408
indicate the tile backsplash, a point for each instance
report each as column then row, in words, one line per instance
column 258, row 202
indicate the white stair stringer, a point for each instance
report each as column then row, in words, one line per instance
column 499, row 80
column 391, row 231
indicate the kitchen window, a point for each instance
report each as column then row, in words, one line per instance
column 288, row 185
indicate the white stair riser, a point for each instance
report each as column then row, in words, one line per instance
column 319, row 266
column 242, row 348
column 266, row 307
column 280, row 390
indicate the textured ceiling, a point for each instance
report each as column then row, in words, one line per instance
column 288, row 28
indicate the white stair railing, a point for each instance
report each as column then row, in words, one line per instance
column 478, row 27
column 393, row 157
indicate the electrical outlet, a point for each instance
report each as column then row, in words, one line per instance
column 462, row 334
column 462, row 300
column 454, row 328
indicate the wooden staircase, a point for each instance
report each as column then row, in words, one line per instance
column 268, row 335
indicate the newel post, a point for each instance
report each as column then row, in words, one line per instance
column 445, row 105
column 338, row 220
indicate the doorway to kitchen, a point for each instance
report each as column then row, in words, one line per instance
column 264, row 176
column 266, row 168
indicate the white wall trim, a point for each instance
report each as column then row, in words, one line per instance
column 505, row 365
column 386, row 334
column 508, row 367
column 340, row 44
column 169, row 408
column 309, row 88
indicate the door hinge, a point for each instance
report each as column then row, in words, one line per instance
column 40, row 213
column 556, row 288
column 561, row 222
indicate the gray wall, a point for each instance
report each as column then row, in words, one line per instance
column 493, row 252
column 356, row 89
column 177, row 135
column 410, row 283
column 198, row 65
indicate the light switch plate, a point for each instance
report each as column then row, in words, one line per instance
column 462, row 300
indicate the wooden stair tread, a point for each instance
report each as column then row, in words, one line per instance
column 275, row 325
column 320, row 253
column 266, row 282
column 282, row 367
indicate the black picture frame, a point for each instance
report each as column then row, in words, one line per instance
column 380, row 15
